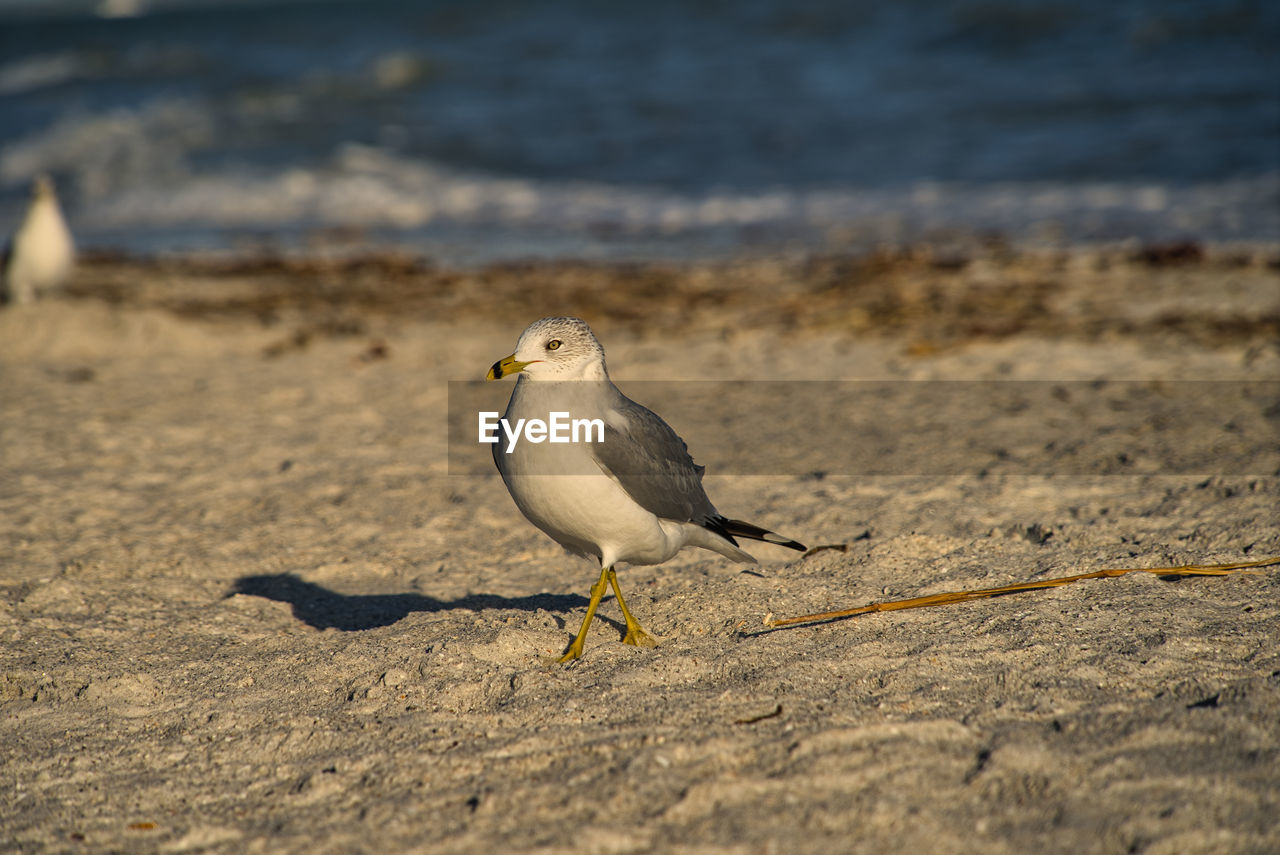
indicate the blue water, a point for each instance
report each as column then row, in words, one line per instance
column 502, row 128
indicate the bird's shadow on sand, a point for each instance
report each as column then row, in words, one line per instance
column 324, row 609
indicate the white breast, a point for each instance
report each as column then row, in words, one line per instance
column 562, row 491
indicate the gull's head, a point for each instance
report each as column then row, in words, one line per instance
column 554, row 349
column 42, row 187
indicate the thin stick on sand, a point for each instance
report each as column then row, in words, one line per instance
column 985, row 593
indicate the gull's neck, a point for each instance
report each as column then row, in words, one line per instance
column 594, row 370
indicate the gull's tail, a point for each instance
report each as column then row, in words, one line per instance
column 738, row 528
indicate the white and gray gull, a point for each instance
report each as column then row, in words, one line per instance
column 635, row 496
column 42, row 253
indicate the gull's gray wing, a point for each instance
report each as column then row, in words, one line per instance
column 653, row 465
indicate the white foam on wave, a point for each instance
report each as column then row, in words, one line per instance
column 369, row 188
column 136, row 170
column 39, row 72
column 105, row 153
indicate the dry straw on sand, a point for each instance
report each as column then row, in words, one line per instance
column 952, row 597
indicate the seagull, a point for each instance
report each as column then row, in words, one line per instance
column 41, row 254
column 635, row 496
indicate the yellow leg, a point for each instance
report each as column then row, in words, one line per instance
column 597, row 591
column 635, row 633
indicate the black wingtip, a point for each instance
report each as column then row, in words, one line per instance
column 719, row 526
column 754, row 532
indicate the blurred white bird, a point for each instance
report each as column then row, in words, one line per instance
column 41, row 254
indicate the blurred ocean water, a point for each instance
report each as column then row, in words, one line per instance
column 496, row 129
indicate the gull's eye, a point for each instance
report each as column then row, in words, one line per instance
column 554, row 344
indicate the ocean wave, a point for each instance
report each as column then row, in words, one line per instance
column 366, row 187
column 142, row 171
column 40, row 71
column 105, row 153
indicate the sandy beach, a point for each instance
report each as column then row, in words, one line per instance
column 245, row 605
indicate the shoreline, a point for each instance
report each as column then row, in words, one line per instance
column 942, row 294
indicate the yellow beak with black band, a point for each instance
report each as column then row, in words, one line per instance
column 503, row 367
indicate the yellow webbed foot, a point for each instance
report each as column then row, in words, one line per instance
column 573, row 653
column 637, row 637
